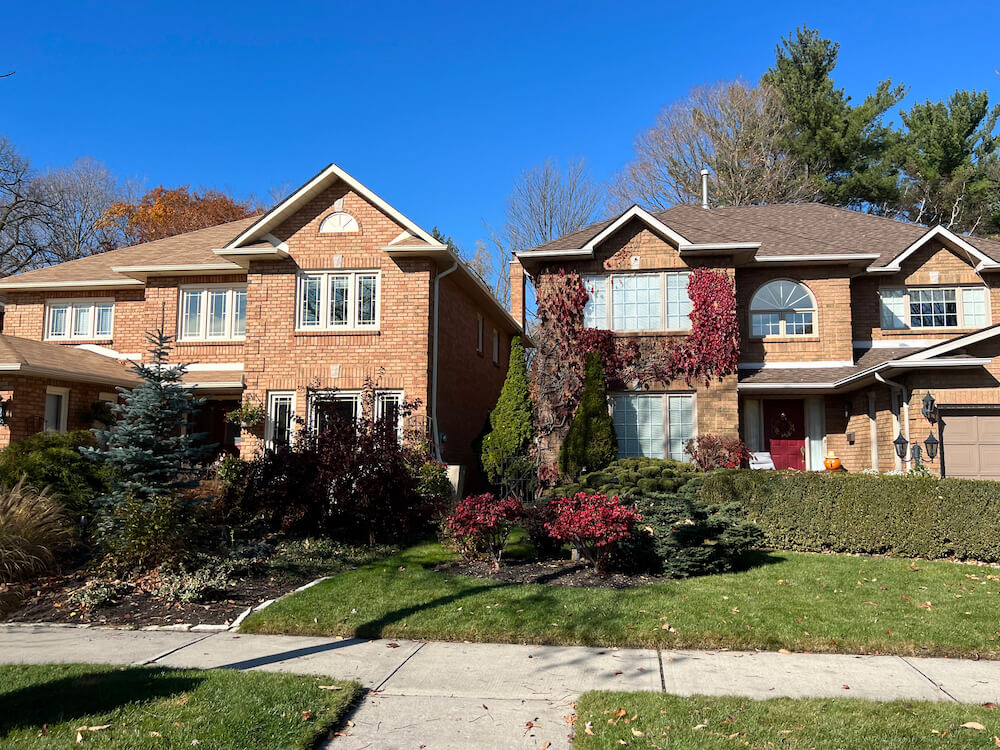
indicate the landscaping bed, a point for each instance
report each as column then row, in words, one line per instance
column 652, row 720
column 549, row 572
column 65, row 705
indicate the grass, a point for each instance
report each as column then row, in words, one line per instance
column 43, row 706
column 653, row 720
column 795, row 601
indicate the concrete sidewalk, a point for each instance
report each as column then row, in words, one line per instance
column 454, row 695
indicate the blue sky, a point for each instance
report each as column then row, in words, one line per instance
column 435, row 106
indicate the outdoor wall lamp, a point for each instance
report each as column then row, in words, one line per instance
column 929, row 409
column 4, row 412
column 930, row 444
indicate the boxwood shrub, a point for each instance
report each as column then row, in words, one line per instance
column 866, row 513
column 627, row 477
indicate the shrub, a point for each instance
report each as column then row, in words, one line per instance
column 627, row 477
column 682, row 536
column 865, row 513
column 590, row 443
column 481, row 522
column 33, row 531
column 512, row 428
column 594, row 524
column 433, row 485
column 53, row 460
column 98, row 592
column 148, row 533
column 713, row 452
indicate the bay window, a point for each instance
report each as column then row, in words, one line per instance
column 69, row 320
column 655, row 425
column 638, row 302
column 212, row 313
column 332, row 301
column 933, row 307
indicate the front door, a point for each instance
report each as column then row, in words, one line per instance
column 785, row 433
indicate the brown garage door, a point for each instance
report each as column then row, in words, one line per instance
column 971, row 444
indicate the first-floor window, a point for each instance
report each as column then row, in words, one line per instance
column 213, row 313
column 655, row 425
column 56, row 409
column 79, row 320
column 280, row 415
column 345, row 407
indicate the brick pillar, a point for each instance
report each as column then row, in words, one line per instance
column 517, row 291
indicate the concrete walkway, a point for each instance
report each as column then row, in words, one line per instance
column 455, row 695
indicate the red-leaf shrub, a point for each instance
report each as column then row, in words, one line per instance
column 594, row 524
column 714, row 452
column 481, row 522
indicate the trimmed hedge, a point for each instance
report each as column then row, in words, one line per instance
column 866, row 513
column 627, row 477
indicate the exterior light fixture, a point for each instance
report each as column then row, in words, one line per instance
column 929, row 408
column 931, row 444
column 900, row 443
column 4, row 412
column 917, row 453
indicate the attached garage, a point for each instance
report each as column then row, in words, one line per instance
column 970, row 443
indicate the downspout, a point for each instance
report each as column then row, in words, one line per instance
column 434, row 365
column 904, row 414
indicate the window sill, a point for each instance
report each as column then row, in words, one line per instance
column 345, row 332
column 209, row 342
column 784, row 339
column 633, row 334
column 103, row 340
column 924, row 331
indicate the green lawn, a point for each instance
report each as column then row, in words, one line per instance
column 44, row 706
column 653, row 720
column 797, row 601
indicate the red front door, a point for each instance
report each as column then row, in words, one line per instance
column 785, row 433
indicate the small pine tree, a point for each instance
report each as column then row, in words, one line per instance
column 590, row 443
column 147, row 452
column 513, row 429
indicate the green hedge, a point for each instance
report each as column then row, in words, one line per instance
column 866, row 513
column 630, row 476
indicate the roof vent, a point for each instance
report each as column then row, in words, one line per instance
column 704, row 188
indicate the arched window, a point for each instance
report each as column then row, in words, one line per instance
column 337, row 222
column 782, row 308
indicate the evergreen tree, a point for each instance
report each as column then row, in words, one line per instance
column 512, row 426
column 845, row 147
column 590, row 443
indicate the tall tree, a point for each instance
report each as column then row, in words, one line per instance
column 844, row 147
column 163, row 212
column 513, row 429
column 734, row 130
column 951, row 164
column 25, row 212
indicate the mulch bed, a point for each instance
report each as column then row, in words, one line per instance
column 46, row 600
column 549, row 572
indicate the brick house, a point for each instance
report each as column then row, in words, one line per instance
column 848, row 321
column 293, row 309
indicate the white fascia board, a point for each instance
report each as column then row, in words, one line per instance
column 930, row 234
column 575, row 254
column 932, row 364
column 326, row 176
column 92, row 284
column 816, row 258
column 785, row 386
column 953, row 344
column 191, row 269
column 695, row 247
column 794, row 365
column 220, row 386
column 110, row 353
column 901, row 344
column 215, row 367
column 635, row 212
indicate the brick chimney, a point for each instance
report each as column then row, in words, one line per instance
column 517, row 291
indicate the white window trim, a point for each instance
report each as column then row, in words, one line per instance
column 324, row 301
column 782, row 327
column 664, row 397
column 204, row 289
column 63, row 408
column 960, row 305
column 69, row 304
column 664, row 302
column 272, row 397
column 355, row 396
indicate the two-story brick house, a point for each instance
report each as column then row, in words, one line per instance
column 848, row 321
column 293, row 309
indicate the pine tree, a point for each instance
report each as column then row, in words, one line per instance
column 590, row 443
column 512, row 427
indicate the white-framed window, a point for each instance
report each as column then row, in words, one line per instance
column 479, row 333
column 56, row 409
column 325, row 408
column 217, row 312
column 933, row 307
column 279, row 418
column 69, row 320
column 638, row 301
column 656, row 425
column 496, row 346
column 782, row 307
column 339, row 222
column 338, row 301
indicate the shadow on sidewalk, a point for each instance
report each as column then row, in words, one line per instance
column 295, row 653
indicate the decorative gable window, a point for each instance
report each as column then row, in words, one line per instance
column 638, row 302
column 338, row 222
column 782, row 308
column 338, row 301
column 69, row 320
column 934, row 307
column 212, row 313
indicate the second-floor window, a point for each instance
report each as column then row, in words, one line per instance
column 638, row 302
column 213, row 313
column 934, row 307
column 79, row 319
column 782, row 308
column 338, row 301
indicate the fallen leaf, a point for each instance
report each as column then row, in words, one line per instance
column 392, row 645
column 989, row 704
column 485, row 707
column 847, row 687
column 546, row 746
column 636, row 732
column 973, row 725
column 700, row 726
column 307, row 715
column 620, row 713
column 588, row 728
column 155, row 734
column 81, row 730
column 618, row 672
column 330, row 687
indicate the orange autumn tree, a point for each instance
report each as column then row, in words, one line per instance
column 163, row 212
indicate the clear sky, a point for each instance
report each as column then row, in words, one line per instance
column 435, row 106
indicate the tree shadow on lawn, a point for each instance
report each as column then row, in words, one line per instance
column 88, row 693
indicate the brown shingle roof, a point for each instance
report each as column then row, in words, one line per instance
column 42, row 358
column 787, row 229
column 190, row 248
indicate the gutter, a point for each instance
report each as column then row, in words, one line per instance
column 904, row 413
column 434, row 367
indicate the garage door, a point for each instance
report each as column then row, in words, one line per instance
column 971, row 445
